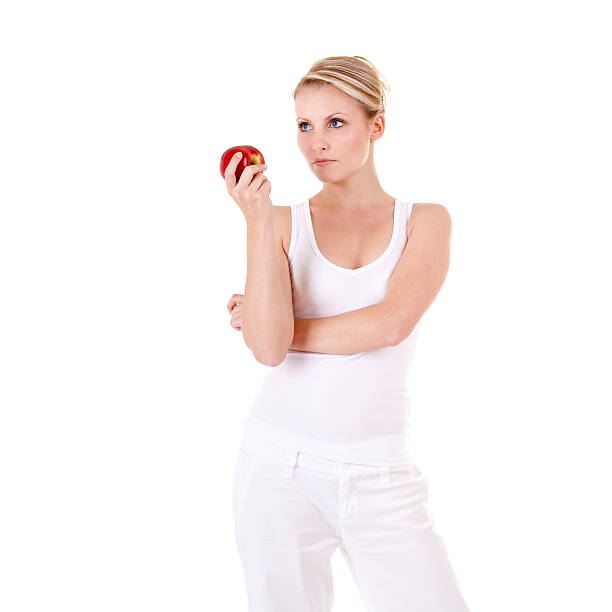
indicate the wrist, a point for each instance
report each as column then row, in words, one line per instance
column 261, row 217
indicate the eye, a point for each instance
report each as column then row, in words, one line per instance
column 301, row 123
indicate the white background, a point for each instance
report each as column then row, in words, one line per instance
column 123, row 386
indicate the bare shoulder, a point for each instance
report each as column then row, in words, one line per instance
column 282, row 225
column 436, row 215
column 429, row 210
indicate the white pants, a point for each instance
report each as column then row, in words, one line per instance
column 293, row 509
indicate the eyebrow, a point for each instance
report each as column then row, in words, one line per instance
column 328, row 116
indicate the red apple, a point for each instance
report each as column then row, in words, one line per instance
column 250, row 156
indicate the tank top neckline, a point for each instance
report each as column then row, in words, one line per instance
column 331, row 264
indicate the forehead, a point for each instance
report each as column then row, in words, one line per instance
column 321, row 100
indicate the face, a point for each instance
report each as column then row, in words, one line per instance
column 333, row 125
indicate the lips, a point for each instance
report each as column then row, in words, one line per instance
column 323, row 162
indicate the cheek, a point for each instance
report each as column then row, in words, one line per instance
column 355, row 141
column 355, row 149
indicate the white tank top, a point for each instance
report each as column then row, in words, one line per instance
column 348, row 407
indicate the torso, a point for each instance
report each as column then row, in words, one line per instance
column 348, row 240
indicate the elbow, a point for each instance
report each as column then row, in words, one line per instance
column 271, row 352
column 272, row 359
column 271, row 362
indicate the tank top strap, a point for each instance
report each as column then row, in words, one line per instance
column 298, row 227
column 407, row 214
column 407, row 210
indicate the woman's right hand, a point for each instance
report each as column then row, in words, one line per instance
column 234, row 307
column 251, row 194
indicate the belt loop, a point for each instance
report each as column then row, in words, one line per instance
column 385, row 473
column 289, row 461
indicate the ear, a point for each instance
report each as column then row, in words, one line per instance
column 377, row 124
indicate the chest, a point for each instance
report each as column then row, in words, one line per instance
column 352, row 240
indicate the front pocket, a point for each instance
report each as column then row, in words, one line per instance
column 406, row 473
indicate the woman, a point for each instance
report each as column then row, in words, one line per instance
column 336, row 286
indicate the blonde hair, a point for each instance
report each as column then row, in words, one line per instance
column 355, row 76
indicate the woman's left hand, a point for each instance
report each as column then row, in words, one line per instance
column 234, row 307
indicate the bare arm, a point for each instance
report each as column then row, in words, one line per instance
column 267, row 317
column 350, row 332
column 421, row 270
column 359, row 330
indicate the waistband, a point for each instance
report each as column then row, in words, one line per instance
column 277, row 445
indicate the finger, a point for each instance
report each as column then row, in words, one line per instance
column 265, row 187
column 230, row 171
column 257, row 182
column 231, row 302
column 233, row 163
column 237, row 298
column 255, row 168
column 250, row 171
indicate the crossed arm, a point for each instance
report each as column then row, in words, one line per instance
column 355, row 331
column 412, row 288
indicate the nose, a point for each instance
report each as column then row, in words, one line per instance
column 319, row 147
